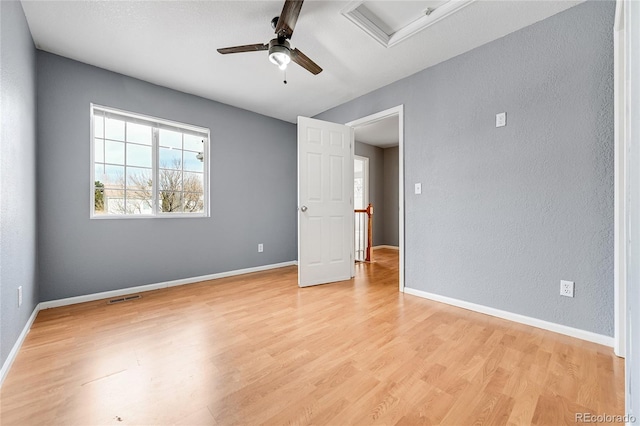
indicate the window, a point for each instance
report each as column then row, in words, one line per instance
column 147, row 167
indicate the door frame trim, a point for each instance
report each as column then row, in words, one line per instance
column 372, row 118
column 620, row 180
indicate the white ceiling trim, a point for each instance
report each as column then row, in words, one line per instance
column 359, row 18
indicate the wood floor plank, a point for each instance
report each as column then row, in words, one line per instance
column 256, row 349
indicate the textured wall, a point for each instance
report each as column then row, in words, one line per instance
column 376, row 185
column 506, row 213
column 253, row 188
column 18, row 265
column 390, row 208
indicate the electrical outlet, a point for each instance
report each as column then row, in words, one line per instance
column 19, row 296
column 566, row 288
column 260, row 248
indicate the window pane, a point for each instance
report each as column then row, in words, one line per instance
column 192, row 163
column 114, row 129
column 138, row 155
column 98, row 198
column 193, row 143
column 113, row 176
column 193, row 182
column 193, row 202
column 171, row 201
column 114, row 152
column 170, row 158
column 98, row 151
column 139, row 202
column 170, row 180
column 139, row 179
column 138, row 133
column 170, row 139
column 98, row 173
column 114, row 201
column 98, row 126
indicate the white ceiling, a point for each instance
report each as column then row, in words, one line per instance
column 173, row 44
column 382, row 133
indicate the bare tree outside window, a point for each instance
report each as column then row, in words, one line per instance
column 178, row 191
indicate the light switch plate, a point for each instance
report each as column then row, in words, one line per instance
column 418, row 188
column 501, row 119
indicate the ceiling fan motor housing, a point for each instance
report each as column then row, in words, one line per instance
column 278, row 45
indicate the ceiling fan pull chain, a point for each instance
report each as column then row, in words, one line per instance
column 285, row 76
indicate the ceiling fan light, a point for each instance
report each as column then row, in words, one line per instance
column 280, row 58
column 279, row 55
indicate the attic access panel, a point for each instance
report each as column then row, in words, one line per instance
column 390, row 22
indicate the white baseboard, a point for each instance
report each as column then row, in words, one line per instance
column 16, row 347
column 156, row 286
column 385, row 247
column 534, row 322
column 115, row 293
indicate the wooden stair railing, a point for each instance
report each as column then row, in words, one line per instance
column 369, row 212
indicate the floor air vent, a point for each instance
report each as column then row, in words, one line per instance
column 124, row 299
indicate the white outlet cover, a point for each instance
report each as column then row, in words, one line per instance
column 501, row 119
column 260, row 248
column 418, row 188
column 566, row 288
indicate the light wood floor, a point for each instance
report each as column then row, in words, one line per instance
column 256, row 349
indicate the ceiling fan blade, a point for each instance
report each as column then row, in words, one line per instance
column 245, row 48
column 288, row 18
column 303, row 60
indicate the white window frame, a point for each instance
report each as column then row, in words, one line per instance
column 156, row 124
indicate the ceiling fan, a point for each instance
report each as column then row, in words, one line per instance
column 280, row 52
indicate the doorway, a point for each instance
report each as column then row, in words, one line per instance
column 385, row 130
column 360, row 202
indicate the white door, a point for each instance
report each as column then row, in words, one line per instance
column 325, row 208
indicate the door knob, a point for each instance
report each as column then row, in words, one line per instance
column 303, row 209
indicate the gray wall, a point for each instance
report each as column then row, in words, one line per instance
column 18, row 248
column 506, row 213
column 253, row 188
column 376, row 187
column 391, row 202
